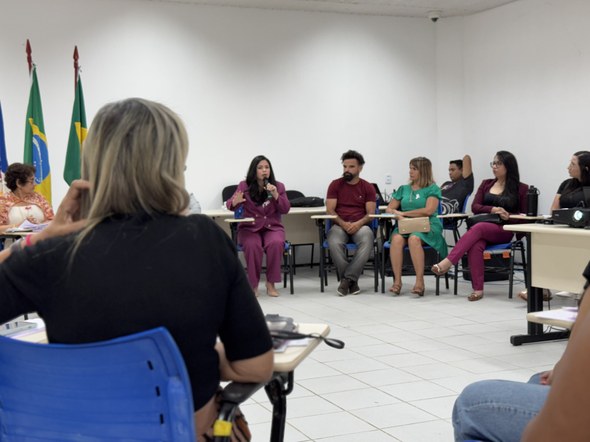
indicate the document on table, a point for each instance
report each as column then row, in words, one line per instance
column 292, row 343
column 564, row 314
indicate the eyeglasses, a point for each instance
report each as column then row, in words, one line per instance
column 496, row 164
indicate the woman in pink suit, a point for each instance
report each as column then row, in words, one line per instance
column 264, row 199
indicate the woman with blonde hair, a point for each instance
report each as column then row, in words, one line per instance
column 138, row 262
column 420, row 197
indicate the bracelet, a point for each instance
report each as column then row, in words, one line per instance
column 28, row 240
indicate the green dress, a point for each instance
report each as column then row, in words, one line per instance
column 416, row 199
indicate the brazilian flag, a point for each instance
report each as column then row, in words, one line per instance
column 35, row 141
column 78, row 131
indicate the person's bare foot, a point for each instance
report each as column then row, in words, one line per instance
column 271, row 290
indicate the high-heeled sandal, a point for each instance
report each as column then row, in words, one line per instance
column 438, row 271
column 418, row 291
column 396, row 288
column 475, row 296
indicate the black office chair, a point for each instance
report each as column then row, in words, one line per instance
column 227, row 192
column 292, row 194
column 288, row 265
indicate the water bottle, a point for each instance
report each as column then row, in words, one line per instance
column 239, row 212
column 532, row 201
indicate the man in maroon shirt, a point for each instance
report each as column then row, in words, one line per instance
column 351, row 199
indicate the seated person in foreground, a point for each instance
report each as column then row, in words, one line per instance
column 461, row 184
column 352, row 200
column 134, row 262
column 552, row 406
column 22, row 202
column 419, row 198
column 570, row 194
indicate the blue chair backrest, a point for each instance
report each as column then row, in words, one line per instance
column 130, row 388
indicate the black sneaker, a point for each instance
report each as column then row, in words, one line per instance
column 343, row 287
column 353, row 287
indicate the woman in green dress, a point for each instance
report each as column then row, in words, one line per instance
column 419, row 198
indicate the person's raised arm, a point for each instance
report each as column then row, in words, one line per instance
column 467, row 167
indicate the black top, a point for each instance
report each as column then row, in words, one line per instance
column 570, row 198
column 454, row 194
column 136, row 273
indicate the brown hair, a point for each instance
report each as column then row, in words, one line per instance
column 424, row 167
column 18, row 173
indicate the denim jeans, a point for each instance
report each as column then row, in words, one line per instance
column 497, row 411
column 337, row 238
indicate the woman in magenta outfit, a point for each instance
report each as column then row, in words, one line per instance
column 504, row 195
column 264, row 199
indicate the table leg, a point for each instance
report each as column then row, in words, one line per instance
column 534, row 304
column 277, row 394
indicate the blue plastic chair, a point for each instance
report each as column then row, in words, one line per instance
column 130, row 388
column 431, row 256
column 350, row 247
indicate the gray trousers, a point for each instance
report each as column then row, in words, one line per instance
column 337, row 238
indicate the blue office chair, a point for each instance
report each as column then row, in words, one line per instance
column 431, row 257
column 130, row 388
column 350, row 248
column 499, row 272
column 288, row 266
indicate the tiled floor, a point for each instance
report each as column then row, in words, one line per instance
column 406, row 359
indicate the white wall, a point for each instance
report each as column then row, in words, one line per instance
column 526, row 87
column 303, row 87
column 298, row 87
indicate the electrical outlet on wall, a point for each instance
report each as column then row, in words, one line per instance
column 387, row 179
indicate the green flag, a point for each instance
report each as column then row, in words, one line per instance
column 78, row 131
column 35, row 141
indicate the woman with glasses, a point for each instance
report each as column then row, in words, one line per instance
column 503, row 195
column 22, row 202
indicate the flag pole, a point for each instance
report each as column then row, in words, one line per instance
column 29, row 57
column 76, row 66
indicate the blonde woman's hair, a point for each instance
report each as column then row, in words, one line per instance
column 134, row 158
column 424, row 167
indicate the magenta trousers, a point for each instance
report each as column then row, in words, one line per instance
column 255, row 244
column 473, row 242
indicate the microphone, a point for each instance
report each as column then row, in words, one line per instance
column 268, row 193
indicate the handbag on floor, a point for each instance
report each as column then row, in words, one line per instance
column 411, row 225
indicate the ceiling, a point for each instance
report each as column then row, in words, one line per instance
column 401, row 8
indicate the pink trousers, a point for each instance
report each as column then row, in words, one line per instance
column 473, row 242
column 255, row 244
